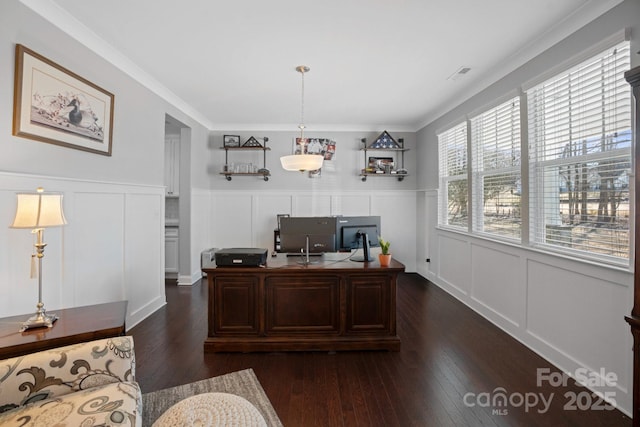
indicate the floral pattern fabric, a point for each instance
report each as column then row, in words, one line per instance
column 84, row 384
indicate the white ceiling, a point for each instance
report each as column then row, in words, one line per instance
column 375, row 64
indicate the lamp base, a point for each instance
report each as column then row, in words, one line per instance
column 39, row 320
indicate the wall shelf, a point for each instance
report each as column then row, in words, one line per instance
column 379, row 170
column 246, row 169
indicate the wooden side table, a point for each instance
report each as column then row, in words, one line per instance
column 75, row 325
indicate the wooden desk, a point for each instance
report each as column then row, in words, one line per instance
column 285, row 306
column 75, row 325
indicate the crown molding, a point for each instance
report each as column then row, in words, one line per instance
column 60, row 18
column 563, row 29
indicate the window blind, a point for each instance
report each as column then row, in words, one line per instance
column 495, row 141
column 453, row 164
column 580, row 157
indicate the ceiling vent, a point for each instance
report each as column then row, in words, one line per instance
column 459, row 73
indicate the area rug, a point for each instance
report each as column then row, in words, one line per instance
column 242, row 383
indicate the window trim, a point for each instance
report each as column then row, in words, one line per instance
column 477, row 175
column 574, row 61
column 536, row 222
column 525, row 242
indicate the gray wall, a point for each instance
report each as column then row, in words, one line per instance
column 113, row 246
column 338, row 174
column 570, row 312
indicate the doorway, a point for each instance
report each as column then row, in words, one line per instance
column 177, row 143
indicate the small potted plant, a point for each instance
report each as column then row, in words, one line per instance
column 384, row 257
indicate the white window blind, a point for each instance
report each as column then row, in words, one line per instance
column 495, row 141
column 452, row 153
column 580, row 157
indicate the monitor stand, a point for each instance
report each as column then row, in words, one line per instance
column 366, row 248
column 305, row 255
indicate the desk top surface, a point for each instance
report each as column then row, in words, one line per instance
column 74, row 325
column 331, row 261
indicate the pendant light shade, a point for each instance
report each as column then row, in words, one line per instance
column 302, row 162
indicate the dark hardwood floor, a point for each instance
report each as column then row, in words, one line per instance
column 450, row 356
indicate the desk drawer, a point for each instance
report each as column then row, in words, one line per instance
column 308, row 306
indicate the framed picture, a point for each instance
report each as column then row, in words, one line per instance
column 54, row 105
column 323, row 146
column 252, row 142
column 231, row 141
column 381, row 163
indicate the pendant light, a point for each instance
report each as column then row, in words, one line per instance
column 302, row 162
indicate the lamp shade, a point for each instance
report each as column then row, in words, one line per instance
column 302, row 162
column 39, row 210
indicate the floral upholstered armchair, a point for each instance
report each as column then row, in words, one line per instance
column 84, row 384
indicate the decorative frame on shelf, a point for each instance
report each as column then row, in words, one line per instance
column 384, row 141
column 54, row 105
column 231, row 141
column 381, row 163
column 252, row 142
column 384, row 166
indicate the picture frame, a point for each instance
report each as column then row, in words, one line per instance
column 323, row 146
column 252, row 142
column 381, row 163
column 385, row 141
column 54, row 105
column 231, row 141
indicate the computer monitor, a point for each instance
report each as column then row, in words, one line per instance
column 321, row 232
column 350, row 228
column 295, row 244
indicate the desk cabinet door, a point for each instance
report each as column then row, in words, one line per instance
column 302, row 305
column 235, row 305
column 369, row 302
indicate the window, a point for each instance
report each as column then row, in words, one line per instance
column 452, row 148
column 580, row 157
column 495, row 141
column 578, row 162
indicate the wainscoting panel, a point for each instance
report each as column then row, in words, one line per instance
column 247, row 219
column 97, row 233
column 453, row 263
column 352, row 205
column 143, row 246
column 396, row 211
column 495, row 282
column 314, row 204
column 111, row 249
column 231, row 220
column 200, row 228
column 569, row 312
column 565, row 306
column 264, row 221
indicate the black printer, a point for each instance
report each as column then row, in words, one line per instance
column 245, row 257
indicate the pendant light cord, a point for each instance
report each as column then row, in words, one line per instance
column 302, row 69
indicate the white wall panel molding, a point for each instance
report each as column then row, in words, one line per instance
column 248, row 218
column 201, row 208
column 569, row 312
column 190, row 280
column 563, row 306
column 453, row 262
column 111, row 249
column 11, row 180
column 495, row 283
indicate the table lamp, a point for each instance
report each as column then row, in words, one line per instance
column 38, row 211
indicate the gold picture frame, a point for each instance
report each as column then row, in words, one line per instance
column 54, row 105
